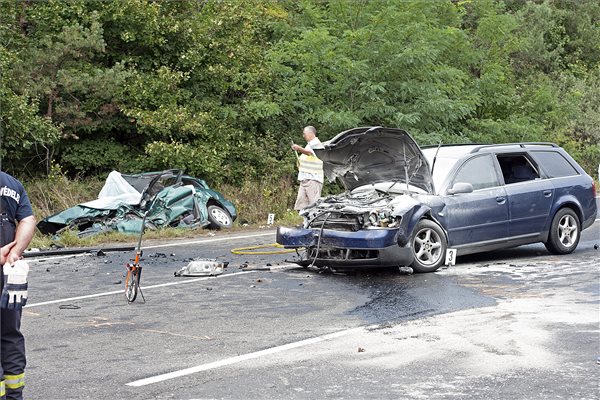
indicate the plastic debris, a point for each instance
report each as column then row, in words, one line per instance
column 405, row 270
column 202, row 268
column 68, row 307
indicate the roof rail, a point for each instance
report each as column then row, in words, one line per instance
column 429, row 146
column 475, row 150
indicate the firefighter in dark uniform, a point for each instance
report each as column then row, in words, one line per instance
column 17, row 225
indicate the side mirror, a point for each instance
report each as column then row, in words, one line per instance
column 460, row 187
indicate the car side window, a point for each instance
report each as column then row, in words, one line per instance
column 517, row 168
column 479, row 172
column 555, row 165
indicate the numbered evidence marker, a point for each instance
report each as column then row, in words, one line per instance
column 450, row 256
column 270, row 219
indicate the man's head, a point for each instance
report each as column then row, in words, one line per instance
column 309, row 133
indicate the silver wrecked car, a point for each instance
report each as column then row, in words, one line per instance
column 404, row 205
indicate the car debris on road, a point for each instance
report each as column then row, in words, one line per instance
column 202, row 268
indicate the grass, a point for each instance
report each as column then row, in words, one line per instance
column 253, row 200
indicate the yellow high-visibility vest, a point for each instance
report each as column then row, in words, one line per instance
column 311, row 165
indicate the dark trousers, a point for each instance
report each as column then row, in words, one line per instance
column 12, row 353
column 12, row 342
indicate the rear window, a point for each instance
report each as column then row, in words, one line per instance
column 554, row 164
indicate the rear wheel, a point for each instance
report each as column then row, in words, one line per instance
column 564, row 232
column 132, row 283
column 219, row 217
column 428, row 246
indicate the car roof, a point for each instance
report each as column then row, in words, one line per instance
column 448, row 155
column 449, row 151
column 459, row 150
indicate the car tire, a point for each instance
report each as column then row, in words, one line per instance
column 219, row 217
column 429, row 246
column 565, row 232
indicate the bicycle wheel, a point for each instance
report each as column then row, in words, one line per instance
column 132, row 283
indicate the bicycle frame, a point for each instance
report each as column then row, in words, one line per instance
column 134, row 271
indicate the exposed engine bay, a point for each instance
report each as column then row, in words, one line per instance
column 368, row 207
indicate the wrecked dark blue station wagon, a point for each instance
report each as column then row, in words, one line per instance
column 405, row 206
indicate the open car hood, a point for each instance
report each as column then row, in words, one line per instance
column 363, row 156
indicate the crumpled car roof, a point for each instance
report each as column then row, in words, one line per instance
column 169, row 198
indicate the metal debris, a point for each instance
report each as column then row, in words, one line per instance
column 202, row 268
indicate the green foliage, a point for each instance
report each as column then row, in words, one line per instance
column 97, row 156
column 199, row 160
column 379, row 63
column 21, row 127
column 219, row 88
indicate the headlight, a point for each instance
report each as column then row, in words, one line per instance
column 373, row 219
column 377, row 219
column 380, row 219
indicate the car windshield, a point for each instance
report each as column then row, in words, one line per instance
column 444, row 161
column 441, row 169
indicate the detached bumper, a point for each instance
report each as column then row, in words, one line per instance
column 372, row 247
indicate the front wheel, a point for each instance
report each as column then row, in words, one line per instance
column 564, row 232
column 219, row 217
column 132, row 282
column 428, row 246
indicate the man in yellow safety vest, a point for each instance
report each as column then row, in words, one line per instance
column 310, row 169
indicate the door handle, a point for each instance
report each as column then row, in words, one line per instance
column 500, row 200
column 547, row 193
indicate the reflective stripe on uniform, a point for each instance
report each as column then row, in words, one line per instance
column 14, row 381
column 2, row 390
column 310, row 165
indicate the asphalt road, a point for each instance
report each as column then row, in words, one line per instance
column 518, row 324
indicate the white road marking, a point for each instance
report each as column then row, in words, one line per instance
column 180, row 282
column 184, row 281
column 89, row 296
column 245, row 357
column 209, row 240
column 31, row 260
column 201, row 241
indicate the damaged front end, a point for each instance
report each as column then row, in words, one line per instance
column 386, row 177
column 366, row 228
